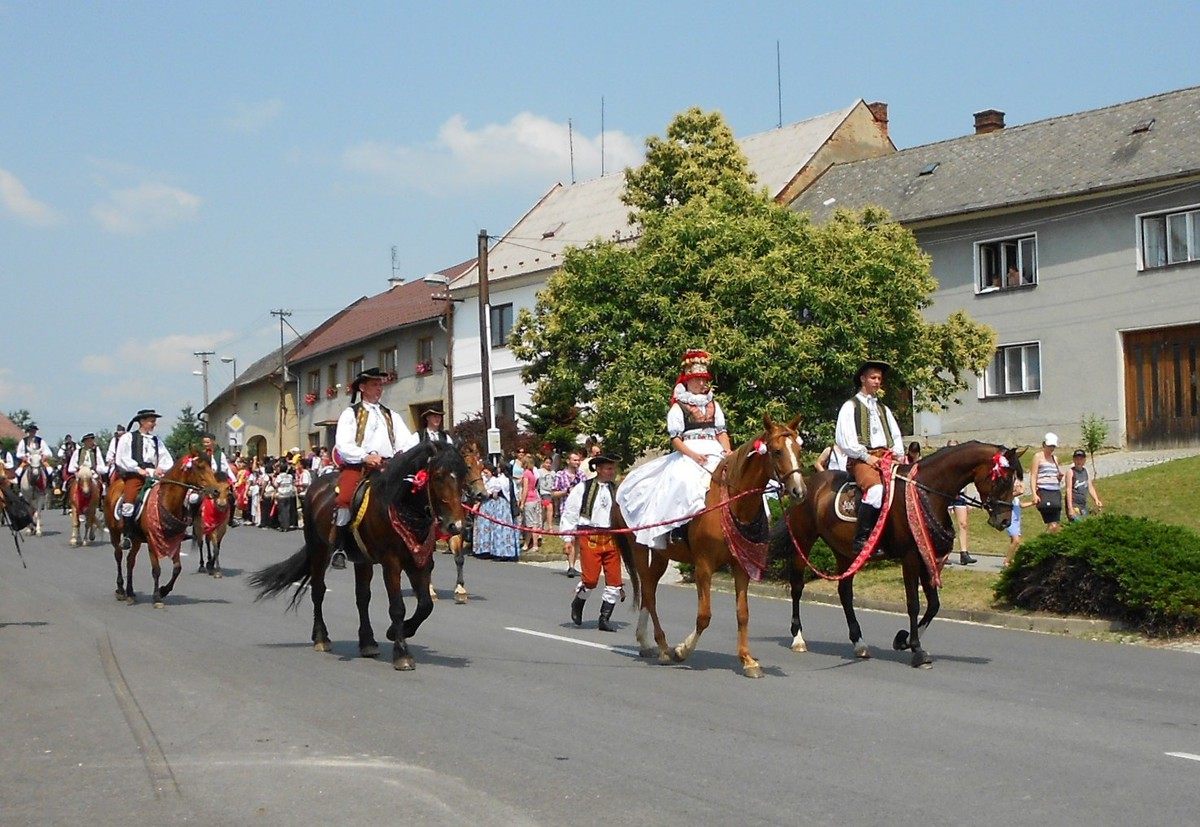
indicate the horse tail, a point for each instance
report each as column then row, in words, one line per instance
column 779, row 545
column 624, row 542
column 276, row 578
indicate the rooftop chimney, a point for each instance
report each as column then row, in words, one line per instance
column 879, row 112
column 989, row 120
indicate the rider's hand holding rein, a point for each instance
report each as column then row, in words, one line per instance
column 373, row 460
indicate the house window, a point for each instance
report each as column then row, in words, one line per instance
column 387, row 361
column 502, row 322
column 1006, row 264
column 314, row 381
column 1016, row 369
column 333, row 380
column 354, row 367
column 506, row 408
column 425, row 355
column 1170, row 238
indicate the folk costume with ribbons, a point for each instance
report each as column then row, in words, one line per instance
column 590, row 506
column 87, row 456
column 26, row 448
column 672, row 488
column 365, row 428
column 867, row 428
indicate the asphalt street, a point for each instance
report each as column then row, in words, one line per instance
column 216, row 710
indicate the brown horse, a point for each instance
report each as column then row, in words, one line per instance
column 415, row 490
column 992, row 468
column 161, row 522
column 773, row 455
column 474, row 491
column 83, row 494
column 209, row 523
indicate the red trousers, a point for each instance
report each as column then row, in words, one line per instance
column 597, row 552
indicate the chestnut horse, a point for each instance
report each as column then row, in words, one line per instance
column 475, row 492
column 772, row 455
column 940, row 477
column 161, row 522
column 415, row 490
column 209, row 524
column 83, row 494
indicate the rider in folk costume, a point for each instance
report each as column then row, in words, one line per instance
column 431, row 428
column 866, row 431
column 30, row 445
column 140, row 456
column 67, row 449
column 589, row 505
column 110, row 456
column 673, row 487
column 367, row 436
column 87, row 455
column 221, row 469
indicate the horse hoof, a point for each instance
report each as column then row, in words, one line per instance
column 369, row 650
column 862, row 651
column 664, row 657
column 321, row 646
column 754, row 671
column 130, row 599
column 158, row 604
column 217, row 575
column 921, row 659
column 800, row 645
column 677, row 655
column 72, row 543
column 404, row 664
column 900, row 641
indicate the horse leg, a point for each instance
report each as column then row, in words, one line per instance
column 176, row 568
column 460, row 589
column 401, row 659
column 418, row 577
column 741, row 584
column 796, row 581
column 703, row 573
column 367, row 646
column 75, row 520
column 130, row 560
column 920, row 658
column 656, row 566
column 214, row 554
column 846, row 595
column 320, row 634
column 117, row 555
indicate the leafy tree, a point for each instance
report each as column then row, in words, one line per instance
column 186, row 434
column 21, row 418
column 787, row 309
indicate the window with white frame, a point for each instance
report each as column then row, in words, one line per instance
column 1170, row 238
column 1015, row 370
column 387, row 361
column 1006, row 264
column 502, row 322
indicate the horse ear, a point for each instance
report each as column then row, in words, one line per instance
column 767, row 421
column 795, row 423
column 1020, row 452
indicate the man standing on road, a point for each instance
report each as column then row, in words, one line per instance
column 564, row 481
column 587, row 506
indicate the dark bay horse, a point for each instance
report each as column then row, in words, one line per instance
column 475, row 492
column 415, row 490
column 161, row 522
column 209, row 524
column 992, row 469
column 773, row 455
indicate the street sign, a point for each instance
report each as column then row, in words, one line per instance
column 235, row 423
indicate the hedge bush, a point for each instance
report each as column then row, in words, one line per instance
column 1130, row 569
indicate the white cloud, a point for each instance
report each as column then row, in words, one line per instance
column 97, row 364
column 255, row 116
column 147, row 206
column 16, row 200
column 529, row 146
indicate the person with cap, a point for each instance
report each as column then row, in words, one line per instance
column 430, row 428
column 29, row 446
column 221, row 468
column 141, row 455
column 65, row 451
column 1047, row 480
column 367, row 435
column 589, row 506
column 110, row 454
column 867, row 431
column 1078, row 486
column 672, row 488
column 87, row 455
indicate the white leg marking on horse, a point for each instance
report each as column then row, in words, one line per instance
column 620, row 650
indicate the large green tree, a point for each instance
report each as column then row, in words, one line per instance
column 186, row 434
column 787, row 309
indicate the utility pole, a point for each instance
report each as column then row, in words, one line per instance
column 283, row 377
column 204, row 354
column 485, row 339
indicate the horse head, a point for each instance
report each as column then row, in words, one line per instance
column 475, row 485
column 427, row 482
column 782, row 446
column 994, row 477
column 193, row 471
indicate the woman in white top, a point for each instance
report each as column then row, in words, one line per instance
column 671, row 489
column 1047, row 476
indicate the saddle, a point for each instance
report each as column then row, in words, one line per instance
column 846, row 497
column 352, row 541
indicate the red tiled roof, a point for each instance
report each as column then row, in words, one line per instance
column 9, row 429
column 399, row 306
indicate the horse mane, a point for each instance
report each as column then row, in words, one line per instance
column 396, row 485
column 1011, row 454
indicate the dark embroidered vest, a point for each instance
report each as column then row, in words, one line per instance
column 696, row 418
column 863, row 421
column 590, row 489
column 136, row 448
column 361, row 414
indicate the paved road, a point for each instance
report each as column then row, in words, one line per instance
column 215, row 710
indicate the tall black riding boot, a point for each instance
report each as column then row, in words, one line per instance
column 577, row 610
column 606, row 610
column 868, row 515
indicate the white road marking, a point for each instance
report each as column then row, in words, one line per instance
column 620, row 650
column 1189, row 756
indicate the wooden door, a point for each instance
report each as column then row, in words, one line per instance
column 1162, row 391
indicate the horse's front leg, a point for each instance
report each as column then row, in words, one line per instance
column 911, row 640
column 75, row 532
column 130, row 560
column 367, row 645
column 796, row 581
column 846, row 595
column 214, row 556
column 419, row 577
column 703, row 573
column 460, row 588
column 401, row 659
column 741, row 585
column 118, row 555
column 161, row 592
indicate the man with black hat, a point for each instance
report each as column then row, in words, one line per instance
column 367, row 435
column 590, row 505
column 140, row 455
column 866, row 431
column 33, row 444
column 430, row 428
column 221, row 470
column 87, row 455
column 110, row 455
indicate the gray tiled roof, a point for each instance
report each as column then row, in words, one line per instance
column 1070, row 155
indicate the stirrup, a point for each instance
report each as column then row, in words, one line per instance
column 338, row 560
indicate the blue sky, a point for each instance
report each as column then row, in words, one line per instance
column 171, row 172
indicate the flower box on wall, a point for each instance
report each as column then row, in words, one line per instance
column 424, row 367
column 331, row 392
column 310, row 399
